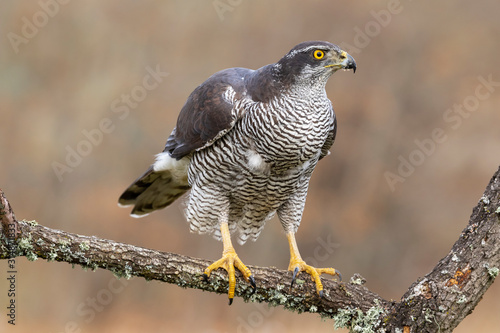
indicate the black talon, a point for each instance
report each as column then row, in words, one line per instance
column 252, row 283
column 205, row 277
column 230, row 301
column 321, row 293
column 339, row 275
column 295, row 272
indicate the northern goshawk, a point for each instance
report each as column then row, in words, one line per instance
column 246, row 143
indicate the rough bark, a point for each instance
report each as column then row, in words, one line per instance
column 438, row 302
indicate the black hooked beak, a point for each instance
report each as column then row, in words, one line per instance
column 350, row 63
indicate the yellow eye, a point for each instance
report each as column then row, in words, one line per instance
column 318, row 54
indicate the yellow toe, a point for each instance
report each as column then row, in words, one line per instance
column 228, row 262
column 297, row 266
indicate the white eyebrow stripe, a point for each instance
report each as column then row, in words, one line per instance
column 305, row 49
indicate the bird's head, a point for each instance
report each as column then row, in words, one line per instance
column 313, row 62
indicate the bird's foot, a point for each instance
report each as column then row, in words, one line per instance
column 229, row 261
column 297, row 266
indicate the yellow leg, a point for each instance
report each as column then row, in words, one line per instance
column 229, row 261
column 298, row 265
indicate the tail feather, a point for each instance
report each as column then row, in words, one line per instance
column 141, row 184
column 152, row 191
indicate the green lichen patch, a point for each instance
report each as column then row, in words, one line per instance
column 32, row 223
column 493, row 272
column 278, row 298
column 485, row 200
column 63, row 243
column 343, row 318
column 428, row 315
column 24, row 244
column 52, row 255
column 299, row 282
column 125, row 273
column 357, row 321
column 31, row 256
column 357, row 280
column 280, row 287
column 25, row 247
column 84, row 246
column 89, row 265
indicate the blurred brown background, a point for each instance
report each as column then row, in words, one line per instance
column 66, row 67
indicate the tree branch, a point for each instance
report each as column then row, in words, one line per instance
column 437, row 302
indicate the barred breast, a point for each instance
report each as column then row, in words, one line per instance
column 260, row 167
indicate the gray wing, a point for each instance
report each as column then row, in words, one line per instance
column 208, row 113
